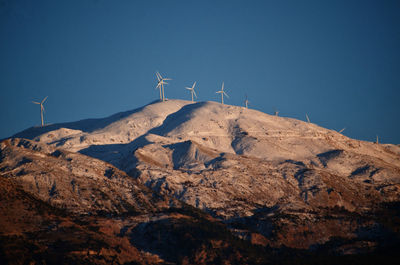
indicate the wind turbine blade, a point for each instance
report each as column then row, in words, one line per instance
column 158, row 76
column 308, row 119
column 225, row 94
column 167, row 79
column 222, row 89
column 194, row 84
column 36, row 102
column 44, row 99
column 194, row 93
column 188, row 88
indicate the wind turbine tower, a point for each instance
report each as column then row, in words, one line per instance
column 160, row 85
column 246, row 102
column 41, row 109
column 191, row 89
column 222, row 92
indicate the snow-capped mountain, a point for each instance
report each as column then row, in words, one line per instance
column 272, row 180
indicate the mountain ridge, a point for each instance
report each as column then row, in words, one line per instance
column 275, row 181
column 162, row 117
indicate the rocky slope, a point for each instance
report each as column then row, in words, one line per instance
column 274, row 181
column 58, row 207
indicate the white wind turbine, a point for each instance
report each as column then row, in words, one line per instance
column 222, row 92
column 192, row 90
column 308, row 119
column 160, row 85
column 41, row 108
column 246, row 102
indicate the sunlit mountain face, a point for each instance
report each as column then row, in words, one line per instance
column 187, row 182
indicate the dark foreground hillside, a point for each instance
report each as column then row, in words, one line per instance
column 41, row 234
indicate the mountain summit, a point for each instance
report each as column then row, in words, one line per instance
column 274, row 181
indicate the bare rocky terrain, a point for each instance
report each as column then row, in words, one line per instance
column 278, row 188
column 59, row 207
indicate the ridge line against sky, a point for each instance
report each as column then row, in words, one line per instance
column 337, row 61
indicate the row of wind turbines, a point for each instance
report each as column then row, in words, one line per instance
column 161, row 83
column 160, row 86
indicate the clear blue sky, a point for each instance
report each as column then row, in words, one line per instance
column 338, row 61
